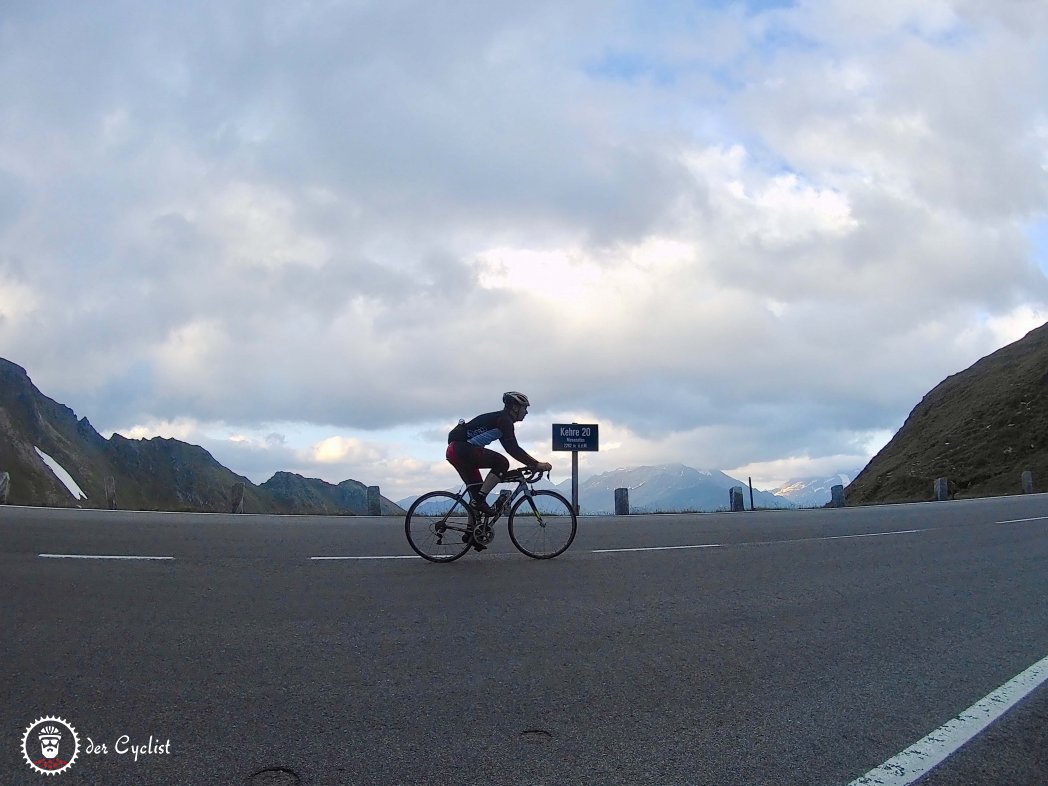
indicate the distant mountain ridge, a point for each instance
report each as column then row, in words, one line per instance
column 666, row 488
column 814, row 492
column 153, row 474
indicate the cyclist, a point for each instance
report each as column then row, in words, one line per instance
column 467, row 454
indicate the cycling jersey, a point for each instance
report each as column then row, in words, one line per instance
column 485, row 429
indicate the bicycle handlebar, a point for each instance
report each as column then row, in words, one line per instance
column 526, row 474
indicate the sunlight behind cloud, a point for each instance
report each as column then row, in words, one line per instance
column 17, row 300
column 338, row 450
column 184, row 429
column 550, row 274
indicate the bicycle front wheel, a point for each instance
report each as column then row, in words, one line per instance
column 542, row 524
column 438, row 526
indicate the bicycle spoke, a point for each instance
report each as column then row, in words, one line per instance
column 542, row 524
column 437, row 526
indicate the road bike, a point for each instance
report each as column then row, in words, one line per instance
column 442, row 525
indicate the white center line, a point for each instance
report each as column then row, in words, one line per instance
column 865, row 535
column 759, row 542
column 931, row 751
column 397, row 556
column 659, row 548
column 98, row 556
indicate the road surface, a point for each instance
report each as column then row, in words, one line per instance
column 803, row 647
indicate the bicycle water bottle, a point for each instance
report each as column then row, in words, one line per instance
column 503, row 499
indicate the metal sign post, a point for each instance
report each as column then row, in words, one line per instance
column 575, row 437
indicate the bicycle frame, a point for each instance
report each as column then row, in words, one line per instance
column 524, row 479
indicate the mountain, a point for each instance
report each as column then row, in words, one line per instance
column 666, row 488
column 980, row 429
column 153, row 474
column 813, row 492
column 295, row 494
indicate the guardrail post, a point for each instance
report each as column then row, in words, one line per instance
column 238, row 497
column 111, row 492
column 1028, row 482
column 374, row 501
column 837, row 497
column 735, row 499
column 942, row 489
column 5, row 486
column 622, row 502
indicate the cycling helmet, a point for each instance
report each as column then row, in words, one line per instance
column 515, row 398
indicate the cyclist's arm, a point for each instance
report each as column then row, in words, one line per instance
column 509, row 443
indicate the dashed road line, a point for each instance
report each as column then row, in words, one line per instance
column 391, row 556
column 932, row 750
column 1020, row 521
column 759, row 542
column 100, row 556
column 659, row 548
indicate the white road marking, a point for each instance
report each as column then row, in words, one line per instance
column 1019, row 521
column 97, row 556
column 674, row 548
column 758, row 542
column 395, row 556
column 659, row 548
column 931, row 751
column 862, row 535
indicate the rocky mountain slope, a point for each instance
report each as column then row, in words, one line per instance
column 980, row 429
column 154, row 474
column 295, row 494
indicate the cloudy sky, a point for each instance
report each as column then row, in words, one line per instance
column 312, row 234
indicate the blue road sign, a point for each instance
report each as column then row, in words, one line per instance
column 575, row 436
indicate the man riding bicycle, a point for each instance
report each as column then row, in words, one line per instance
column 467, row 454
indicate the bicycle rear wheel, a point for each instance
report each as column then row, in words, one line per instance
column 542, row 525
column 438, row 526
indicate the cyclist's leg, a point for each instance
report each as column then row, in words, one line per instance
column 460, row 455
column 498, row 466
column 468, row 460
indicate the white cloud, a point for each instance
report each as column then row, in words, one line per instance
column 734, row 236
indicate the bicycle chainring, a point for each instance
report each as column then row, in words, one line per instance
column 483, row 534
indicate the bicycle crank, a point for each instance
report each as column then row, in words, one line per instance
column 483, row 534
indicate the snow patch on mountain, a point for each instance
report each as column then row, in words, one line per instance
column 62, row 475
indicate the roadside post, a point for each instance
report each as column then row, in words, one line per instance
column 575, row 437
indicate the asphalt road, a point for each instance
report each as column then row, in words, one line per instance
column 783, row 651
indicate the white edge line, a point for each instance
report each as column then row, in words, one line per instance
column 932, row 750
column 1020, row 521
column 98, row 556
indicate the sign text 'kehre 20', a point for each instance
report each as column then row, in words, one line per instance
column 575, row 436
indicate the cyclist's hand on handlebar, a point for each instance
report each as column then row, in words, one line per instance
column 544, row 467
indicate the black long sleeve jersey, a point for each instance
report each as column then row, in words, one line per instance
column 485, row 429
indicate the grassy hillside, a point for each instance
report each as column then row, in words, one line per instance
column 980, row 428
